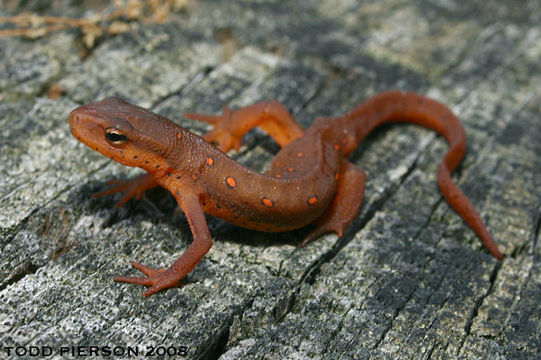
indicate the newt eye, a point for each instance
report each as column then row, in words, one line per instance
column 115, row 137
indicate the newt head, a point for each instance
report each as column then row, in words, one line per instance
column 123, row 132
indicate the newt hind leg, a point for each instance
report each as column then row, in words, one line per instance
column 345, row 206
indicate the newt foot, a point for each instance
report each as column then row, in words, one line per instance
column 157, row 279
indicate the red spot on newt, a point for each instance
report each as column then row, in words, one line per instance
column 313, row 200
column 299, row 154
column 290, row 169
column 179, row 135
column 267, row 202
column 336, row 147
column 210, row 161
column 231, row 182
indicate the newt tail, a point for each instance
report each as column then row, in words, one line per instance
column 406, row 107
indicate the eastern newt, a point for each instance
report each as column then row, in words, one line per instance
column 309, row 181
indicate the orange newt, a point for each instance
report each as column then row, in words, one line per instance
column 310, row 180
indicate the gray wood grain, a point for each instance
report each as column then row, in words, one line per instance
column 409, row 279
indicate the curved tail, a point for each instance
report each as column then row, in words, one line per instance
column 407, row 107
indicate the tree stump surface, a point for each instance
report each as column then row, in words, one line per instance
column 408, row 280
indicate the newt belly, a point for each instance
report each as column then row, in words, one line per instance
column 310, row 181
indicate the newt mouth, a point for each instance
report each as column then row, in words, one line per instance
column 86, row 129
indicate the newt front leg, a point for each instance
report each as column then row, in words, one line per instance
column 130, row 188
column 202, row 242
column 228, row 128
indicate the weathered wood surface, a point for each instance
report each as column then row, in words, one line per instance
column 409, row 280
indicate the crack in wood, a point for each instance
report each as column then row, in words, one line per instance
column 535, row 232
column 477, row 306
column 27, row 269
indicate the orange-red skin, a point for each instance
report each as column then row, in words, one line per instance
column 310, row 179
